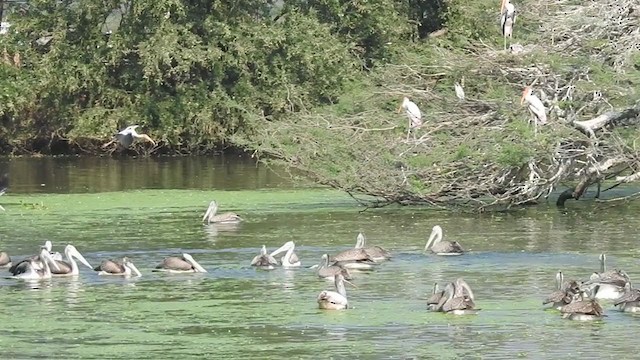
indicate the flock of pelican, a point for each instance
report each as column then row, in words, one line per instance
column 576, row 300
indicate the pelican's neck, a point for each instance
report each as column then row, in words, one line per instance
column 286, row 259
column 603, row 265
column 196, row 265
column 324, row 262
column 360, row 241
column 46, row 270
column 435, row 288
column 340, row 286
column 72, row 261
column 559, row 279
column 435, row 237
column 464, row 286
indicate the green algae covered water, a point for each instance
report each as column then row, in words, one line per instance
column 236, row 311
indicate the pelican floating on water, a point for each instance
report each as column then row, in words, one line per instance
column 376, row 253
column 70, row 267
column 290, row 259
column 440, row 247
column 16, row 267
column 436, row 296
column 264, row 260
column 610, row 283
column 30, row 272
column 334, row 300
column 582, row 308
column 118, row 268
column 564, row 293
column 5, row 260
column 458, row 299
column 327, row 271
column 224, row 218
column 180, row 264
column 630, row 301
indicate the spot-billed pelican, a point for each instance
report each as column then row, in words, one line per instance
column 582, row 308
column 30, row 272
column 376, row 253
column 436, row 296
column 37, row 260
column 564, row 292
column 459, row 88
column 70, row 267
column 334, row 300
column 507, row 20
column 290, row 259
column 413, row 113
column 610, row 283
column 180, row 264
column 327, row 271
column 458, row 299
column 264, row 260
column 536, row 108
column 128, row 135
column 5, row 260
column 440, row 247
column 225, row 218
column 630, row 301
column 118, row 268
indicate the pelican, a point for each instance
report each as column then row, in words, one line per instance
column 5, row 260
column 434, row 300
column 225, row 218
column 440, row 247
column 180, row 264
column 610, row 283
column 413, row 113
column 37, row 260
column 325, row 270
column 564, row 292
column 264, row 260
column 582, row 309
column 630, row 301
column 290, row 259
column 70, row 267
column 126, row 137
column 458, row 299
column 118, row 268
column 334, row 300
column 375, row 253
column 507, row 20
column 459, row 88
column 30, row 272
column 536, row 108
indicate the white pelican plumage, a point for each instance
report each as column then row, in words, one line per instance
column 334, row 300
column 180, row 264
column 630, row 301
column 264, row 260
column 70, row 267
column 413, row 113
column 607, row 284
column 31, row 272
column 440, row 247
column 224, row 218
column 290, row 259
column 536, row 107
column 126, row 137
column 507, row 20
column 459, row 88
column 376, row 253
column 37, row 260
column 118, row 268
column 5, row 260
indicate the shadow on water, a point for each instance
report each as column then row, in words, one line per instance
column 236, row 311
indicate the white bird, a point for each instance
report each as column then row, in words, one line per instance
column 334, row 300
column 459, row 89
column 70, row 267
column 4, row 184
column 537, row 109
column 30, row 272
column 290, row 259
column 507, row 20
column 413, row 113
column 128, row 135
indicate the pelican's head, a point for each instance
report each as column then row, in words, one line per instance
column 71, row 250
column 134, row 270
column 188, row 258
column 324, row 261
column 525, row 93
column 361, row 241
column 263, row 251
column 48, row 245
column 288, row 245
column 211, row 211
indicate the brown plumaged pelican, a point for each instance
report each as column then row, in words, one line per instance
column 458, row 299
column 564, row 294
column 290, row 259
column 434, row 299
column 118, row 268
column 180, row 264
column 375, row 253
column 440, row 247
column 630, row 301
column 610, row 283
column 582, row 308
column 327, row 271
column 334, row 300
column 224, row 218
column 31, row 272
column 5, row 260
column 264, row 260
column 70, row 267
column 126, row 137
column 36, row 258
column 355, row 259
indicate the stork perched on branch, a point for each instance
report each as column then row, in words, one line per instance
column 507, row 20
column 413, row 113
column 536, row 107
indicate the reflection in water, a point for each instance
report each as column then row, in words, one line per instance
column 212, row 230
